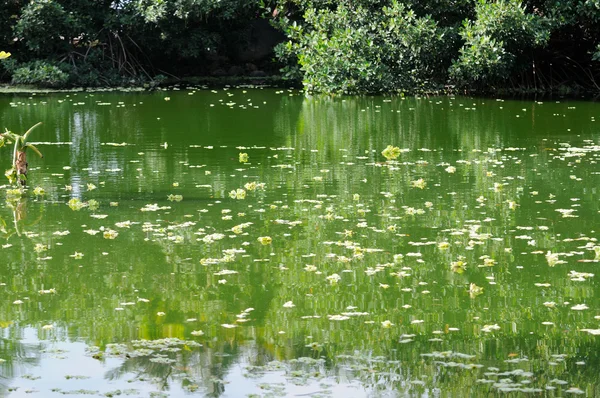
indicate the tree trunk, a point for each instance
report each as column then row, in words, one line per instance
column 21, row 165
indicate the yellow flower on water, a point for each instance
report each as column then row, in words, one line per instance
column 243, row 157
column 40, row 248
column 420, row 183
column 4, row 55
column 237, row 194
column 334, row 279
column 391, row 152
column 237, row 229
column 552, row 258
column 39, row 191
column 265, row 240
column 110, row 234
column 488, row 262
column 458, row 266
column 76, row 204
column 475, row 290
column 93, row 204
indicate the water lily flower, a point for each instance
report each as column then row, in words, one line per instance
column 243, row 157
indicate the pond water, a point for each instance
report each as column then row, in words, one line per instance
column 256, row 242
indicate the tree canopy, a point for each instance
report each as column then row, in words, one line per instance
column 347, row 46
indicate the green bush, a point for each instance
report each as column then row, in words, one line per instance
column 40, row 73
column 365, row 48
column 45, row 27
column 499, row 37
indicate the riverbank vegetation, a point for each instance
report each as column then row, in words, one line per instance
column 362, row 46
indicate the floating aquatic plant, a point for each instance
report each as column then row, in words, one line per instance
column 391, row 152
column 265, row 240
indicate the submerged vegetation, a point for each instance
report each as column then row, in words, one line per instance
column 364, row 46
column 276, row 244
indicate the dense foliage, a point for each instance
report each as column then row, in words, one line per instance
column 107, row 42
column 395, row 45
column 359, row 46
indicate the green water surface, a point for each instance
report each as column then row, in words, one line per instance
column 466, row 267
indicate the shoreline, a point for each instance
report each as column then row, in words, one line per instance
column 563, row 92
column 208, row 81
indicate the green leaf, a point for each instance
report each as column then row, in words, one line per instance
column 29, row 131
column 34, row 149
